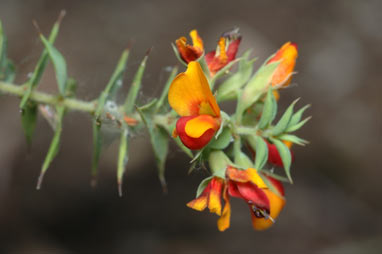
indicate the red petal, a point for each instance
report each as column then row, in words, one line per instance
column 232, row 49
column 192, row 143
column 250, row 192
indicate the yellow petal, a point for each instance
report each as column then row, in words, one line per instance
column 196, row 40
column 255, row 178
column 190, row 94
column 276, row 205
column 197, row 126
column 222, row 54
column 224, row 220
column 214, row 200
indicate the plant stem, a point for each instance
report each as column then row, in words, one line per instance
column 41, row 97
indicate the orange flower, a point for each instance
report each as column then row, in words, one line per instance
column 226, row 51
column 287, row 54
column 264, row 204
column 187, row 52
column 191, row 97
column 210, row 197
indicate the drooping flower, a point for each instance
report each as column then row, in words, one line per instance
column 274, row 155
column 287, row 54
column 227, row 48
column 264, row 204
column 191, row 97
column 188, row 52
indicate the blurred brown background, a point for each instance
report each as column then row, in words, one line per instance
column 333, row 207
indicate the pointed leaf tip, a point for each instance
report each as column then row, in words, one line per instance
column 39, row 180
column 120, row 193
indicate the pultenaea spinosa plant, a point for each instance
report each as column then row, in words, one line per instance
column 248, row 154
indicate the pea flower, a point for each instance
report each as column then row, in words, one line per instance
column 191, row 97
column 188, row 52
column 264, row 204
column 225, row 52
column 287, row 54
column 227, row 48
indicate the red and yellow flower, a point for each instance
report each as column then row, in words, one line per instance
column 187, row 52
column 191, row 97
column 264, row 204
column 287, row 54
column 226, row 50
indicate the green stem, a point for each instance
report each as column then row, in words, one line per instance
column 45, row 98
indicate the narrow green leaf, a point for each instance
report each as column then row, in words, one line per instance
column 114, row 80
column 258, row 84
column 58, row 63
column 159, row 141
column 163, row 97
column 285, row 155
column 122, row 158
column 34, row 80
column 228, row 89
column 203, row 184
column 269, row 110
column 28, row 120
column 298, row 125
column 3, row 52
column 106, row 93
column 135, row 86
column 260, row 147
column 10, row 72
column 297, row 116
column 222, row 141
column 222, row 72
column 54, row 146
column 294, row 139
column 284, row 120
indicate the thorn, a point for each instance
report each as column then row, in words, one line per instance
column 61, row 16
column 130, row 44
column 164, row 184
column 93, row 181
column 34, row 22
column 120, row 193
column 39, row 181
column 149, row 51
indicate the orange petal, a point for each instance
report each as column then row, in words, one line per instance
column 276, row 205
column 199, row 203
column 287, row 54
column 214, row 202
column 190, row 94
column 224, row 220
column 197, row 126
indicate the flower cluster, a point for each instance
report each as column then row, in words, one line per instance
column 219, row 137
column 264, row 204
